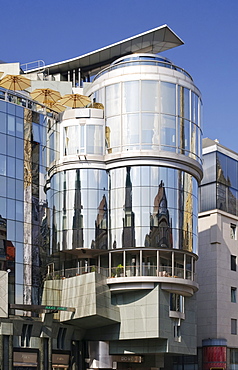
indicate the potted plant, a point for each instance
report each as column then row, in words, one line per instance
column 119, row 270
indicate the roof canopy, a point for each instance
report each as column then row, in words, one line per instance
column 154, row 41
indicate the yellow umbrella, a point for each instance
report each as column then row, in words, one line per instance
column 15, row 82
column 75, row 100
column 96, row 105
column 57, row 107
column 46, row 96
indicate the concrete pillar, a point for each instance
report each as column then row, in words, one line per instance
column 50, row 353
column 1, row 352
column 10, row 351
column 41, row 354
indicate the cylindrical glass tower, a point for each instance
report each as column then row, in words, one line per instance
column 127, row 181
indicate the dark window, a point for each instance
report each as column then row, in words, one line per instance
column 233, row 263
column 61, row 338
column 233, row 294
column 233, row 231
column 26, row 335
column 233, row 326
column 176, row 302
column 234, row 355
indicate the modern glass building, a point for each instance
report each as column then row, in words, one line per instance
column 109, row 229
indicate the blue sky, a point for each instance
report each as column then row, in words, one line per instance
column 54, row 31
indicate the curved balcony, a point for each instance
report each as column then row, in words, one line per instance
column 140, row 276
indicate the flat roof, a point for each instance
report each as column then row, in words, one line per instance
column 153, row 41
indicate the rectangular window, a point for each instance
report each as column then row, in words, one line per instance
column 233, row 263
column 177, row 332
column 234, row 356
column 233, row 231
column 234, row 326
column 61, row 338
column 233, row 294
column 176, row 302
column 26, row 335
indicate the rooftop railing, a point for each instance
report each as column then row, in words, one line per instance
column 22, row 100
column 130, row 63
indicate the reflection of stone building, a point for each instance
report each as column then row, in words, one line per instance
column 128, row 234
column 160, row 224
column 188, row 217
column 78, row 217
column 101, row 225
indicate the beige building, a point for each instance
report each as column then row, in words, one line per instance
column 217, row 271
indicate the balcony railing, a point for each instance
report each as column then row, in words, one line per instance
column 139, row 62
column 121, row 272
column 22, row 100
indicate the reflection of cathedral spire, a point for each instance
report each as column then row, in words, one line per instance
column 128, row 234
column 54, row 232
column 78, row 217
column 160, row 225
column 101, row 225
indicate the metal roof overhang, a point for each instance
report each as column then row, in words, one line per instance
column 153, row 41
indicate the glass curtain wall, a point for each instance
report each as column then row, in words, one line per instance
column 149, row 207
column 152, row 115
column 78, row 206
column 23, row 207
column 219, row 187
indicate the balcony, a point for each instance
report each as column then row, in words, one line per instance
column 175, row 280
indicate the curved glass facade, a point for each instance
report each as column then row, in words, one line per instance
column 153, row 207
column 124, row 201
column 148, row 207
column 78, row 202
column 152, row 115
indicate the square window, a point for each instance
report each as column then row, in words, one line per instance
column 234, row 326
column 233, row 263
column 233, row 294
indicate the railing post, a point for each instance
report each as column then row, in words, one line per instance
column 110, row 264
column 140, row 262
column 184, row 266
column 124, row 263
column 158, row 264
column 99, row 264
column 172, row 264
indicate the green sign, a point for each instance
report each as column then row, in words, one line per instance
column 56, row 308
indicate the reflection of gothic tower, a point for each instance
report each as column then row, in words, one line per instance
column 54, row 232
column 160, row 225
column 128, row 234
column 101, row 225
column 78, row 217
